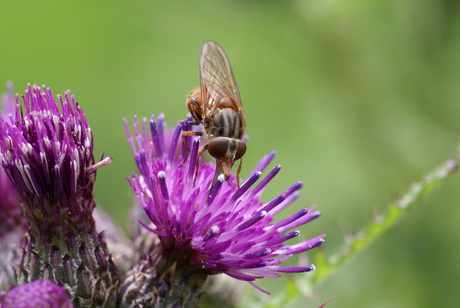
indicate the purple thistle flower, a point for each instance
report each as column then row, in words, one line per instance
column 207, row 229
column 47, row 152
column 38, row 294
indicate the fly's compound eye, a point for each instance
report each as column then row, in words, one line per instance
column 221, row 147
column 218, row 147
column 240, row 149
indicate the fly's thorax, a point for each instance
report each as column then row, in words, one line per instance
column 225, row 122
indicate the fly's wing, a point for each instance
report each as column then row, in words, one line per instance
column 217, row 80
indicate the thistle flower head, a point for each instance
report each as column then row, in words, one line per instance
column 47, row 152
column 209, row 229
column 46, row 149
column 37, row 294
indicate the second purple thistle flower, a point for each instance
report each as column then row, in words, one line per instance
column 207, row 229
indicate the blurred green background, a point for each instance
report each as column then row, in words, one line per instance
column 358, row 98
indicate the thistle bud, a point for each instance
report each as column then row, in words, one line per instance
column 47, row 152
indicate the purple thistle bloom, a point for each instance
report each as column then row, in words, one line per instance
column 47, row 152
column 48, row 155
column 38, row 294
column 207, row 229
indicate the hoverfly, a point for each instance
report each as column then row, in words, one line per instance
column 216, row 105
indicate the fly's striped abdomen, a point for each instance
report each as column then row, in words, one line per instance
column 225, row 123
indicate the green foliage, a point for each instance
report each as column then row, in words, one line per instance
column 394, row 212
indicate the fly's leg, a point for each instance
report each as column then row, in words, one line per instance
column 238, row 172
column 184, row 142
column 200, row 152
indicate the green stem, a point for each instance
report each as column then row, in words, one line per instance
column 381, row 223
